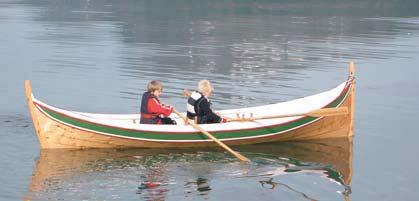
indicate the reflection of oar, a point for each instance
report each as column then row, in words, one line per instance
column 315, row 113
column 273, row 184
column 197, row 127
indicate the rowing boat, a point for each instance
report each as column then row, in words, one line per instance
column 60, row 128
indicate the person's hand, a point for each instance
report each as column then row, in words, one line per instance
column 170, row 107
column 186, row 121
column 225, row 120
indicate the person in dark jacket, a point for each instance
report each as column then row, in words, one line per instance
column 199, row 106
column 152, row 111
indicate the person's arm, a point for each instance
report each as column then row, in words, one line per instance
column 154, row 106
column 205, row 108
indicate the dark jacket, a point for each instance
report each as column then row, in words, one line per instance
column 202, row 109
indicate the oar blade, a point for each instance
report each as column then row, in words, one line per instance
column 329, row 112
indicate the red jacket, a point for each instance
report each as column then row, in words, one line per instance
column 151, row 109
column 155, row 107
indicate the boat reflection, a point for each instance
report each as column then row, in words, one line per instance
column 331, row 158
column 159, row 169
column 328, row 153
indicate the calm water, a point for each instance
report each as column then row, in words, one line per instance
column 97, row 56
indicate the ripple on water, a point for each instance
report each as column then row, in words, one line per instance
column 15, row 121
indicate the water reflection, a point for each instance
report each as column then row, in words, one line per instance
column 272, row 185
column 201, row 185
column 157, row 174
column 153, row 185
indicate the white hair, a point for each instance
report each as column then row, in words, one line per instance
column 204, row 86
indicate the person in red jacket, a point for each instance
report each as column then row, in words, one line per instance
column 152, row 111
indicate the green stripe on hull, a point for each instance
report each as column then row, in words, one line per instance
column 176, row 136
column 185, row 136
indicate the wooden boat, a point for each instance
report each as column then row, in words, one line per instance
column 59, row 128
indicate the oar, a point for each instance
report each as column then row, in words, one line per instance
column 315, row 113
column 197, row 127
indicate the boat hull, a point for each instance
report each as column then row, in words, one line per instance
column 53, row 133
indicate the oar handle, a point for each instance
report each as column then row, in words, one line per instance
column 197, row 127
column 186, row 93
column 325, row 112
